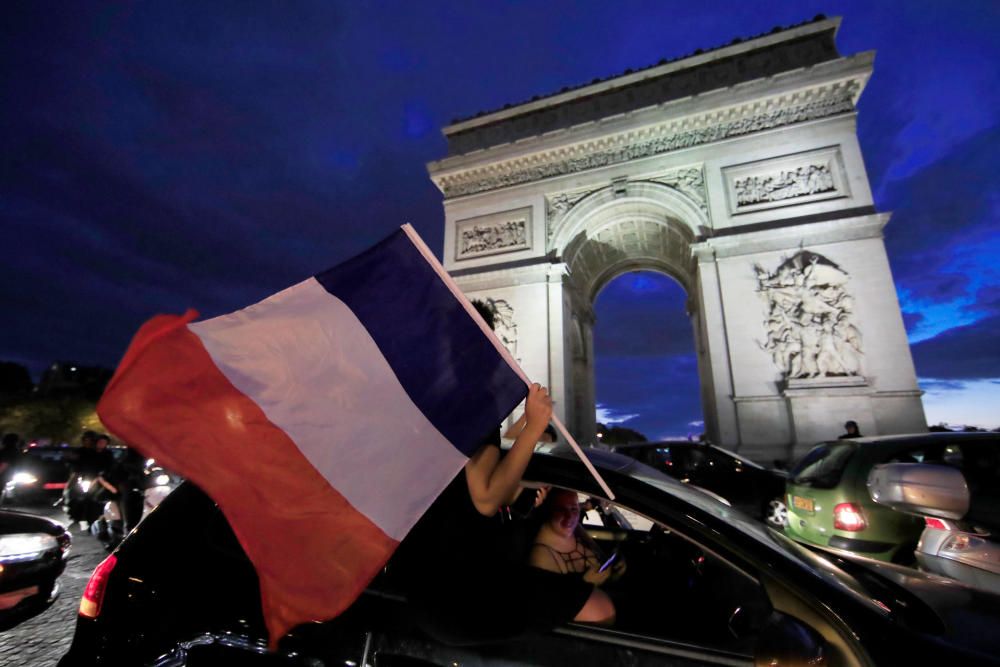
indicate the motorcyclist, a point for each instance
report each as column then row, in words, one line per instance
column 123, row 481
column 82, row 497
column 10, row 452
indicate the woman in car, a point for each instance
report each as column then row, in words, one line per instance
column 460, row 573
column 562, row 546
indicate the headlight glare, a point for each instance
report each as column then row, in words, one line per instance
column 25, row 546
column 23, row 478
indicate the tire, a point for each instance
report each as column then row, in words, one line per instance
column 776, row 514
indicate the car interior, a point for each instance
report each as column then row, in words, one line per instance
column 673, row 590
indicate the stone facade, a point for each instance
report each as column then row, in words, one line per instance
column 738, row 173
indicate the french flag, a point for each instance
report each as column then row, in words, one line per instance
column 323, row 420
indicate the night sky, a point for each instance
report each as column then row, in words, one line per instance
column 158, row 156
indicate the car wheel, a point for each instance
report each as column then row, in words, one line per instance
column 776, row 513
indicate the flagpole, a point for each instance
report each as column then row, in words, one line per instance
column 501, row 349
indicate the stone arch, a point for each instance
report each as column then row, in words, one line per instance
column 628, row 226
column 716, row 185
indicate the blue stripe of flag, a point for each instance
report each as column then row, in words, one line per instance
column 447, row 366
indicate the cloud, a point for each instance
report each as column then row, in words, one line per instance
column 943, row 237
column 962, row 353
column 966, row 402
column 606, row 415
column 912, row 320
column 661, row 392
column 932, row 386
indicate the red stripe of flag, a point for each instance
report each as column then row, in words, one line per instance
column 191, row 418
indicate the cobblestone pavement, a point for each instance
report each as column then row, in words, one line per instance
column 40, row 641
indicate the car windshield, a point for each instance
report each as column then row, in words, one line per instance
column 823, row 465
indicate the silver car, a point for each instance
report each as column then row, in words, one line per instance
column 951, row 545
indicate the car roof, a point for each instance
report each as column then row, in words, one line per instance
column 599, row 457
column 920, row 438
column 663, row 443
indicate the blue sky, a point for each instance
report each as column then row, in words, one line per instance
column 160, row 156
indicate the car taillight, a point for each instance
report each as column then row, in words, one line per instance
column 93, row 595
column 936, row 524
column 848, row 516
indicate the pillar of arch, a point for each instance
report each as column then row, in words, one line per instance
column 736, row 172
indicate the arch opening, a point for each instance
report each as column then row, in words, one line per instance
column 645, row 363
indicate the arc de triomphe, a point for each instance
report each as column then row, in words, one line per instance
column 738, row 173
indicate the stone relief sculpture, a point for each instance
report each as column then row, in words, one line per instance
column 805, row 180
column 809, row 325
column 480, row 238
column 504, row 325
column 560, row 204
column 689, row 181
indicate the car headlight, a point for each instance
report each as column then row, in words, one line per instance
column 25, row 546
column 161, row 480
column 22, row 479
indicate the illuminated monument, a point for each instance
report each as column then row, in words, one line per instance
column 738, row 173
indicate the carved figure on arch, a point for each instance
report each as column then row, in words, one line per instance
column 808, row 318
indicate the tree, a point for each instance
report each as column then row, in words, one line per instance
column 14, row 380
column 618, row 435
column 62, row 419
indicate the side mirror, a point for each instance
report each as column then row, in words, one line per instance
column 788, row 641
column 920, row 488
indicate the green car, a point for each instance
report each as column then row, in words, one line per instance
column 828, row 501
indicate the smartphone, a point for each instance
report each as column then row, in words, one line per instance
column 609, row 561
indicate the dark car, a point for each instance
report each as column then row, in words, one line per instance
column 32, row 556
column 704, row 585
column 747, row 486
column 38, row 475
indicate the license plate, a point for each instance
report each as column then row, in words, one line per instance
column 805, row 504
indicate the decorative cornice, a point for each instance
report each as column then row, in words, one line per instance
column 801, row 106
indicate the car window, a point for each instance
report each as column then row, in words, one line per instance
column 823, row 466
column 817, row 564
column 980, row 464
column 669, row 587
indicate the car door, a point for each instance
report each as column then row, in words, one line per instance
column 678, row 604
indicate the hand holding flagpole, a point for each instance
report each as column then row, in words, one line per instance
column 504, row 352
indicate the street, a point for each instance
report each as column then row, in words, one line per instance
column 40, row 641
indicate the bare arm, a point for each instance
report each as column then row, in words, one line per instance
column 493, row 480
column 516, row 427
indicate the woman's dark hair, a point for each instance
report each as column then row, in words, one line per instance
column 485, row 311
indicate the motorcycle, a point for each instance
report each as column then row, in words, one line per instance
column 78, row 501
column 159, row 483
column 156, row 484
